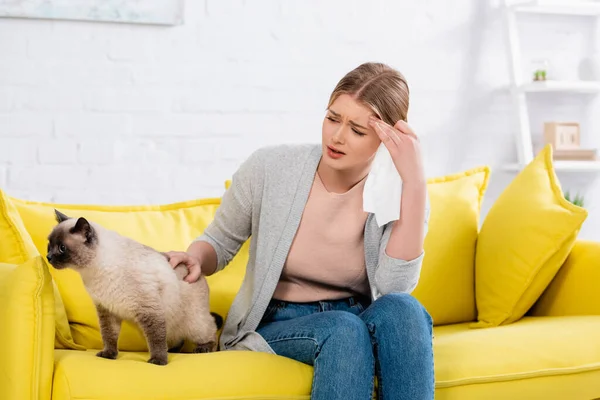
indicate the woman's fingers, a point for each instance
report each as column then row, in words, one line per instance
column 194, row 273
column 178, row 257
column 175, row 257
column 385, row 131
column 383, row 136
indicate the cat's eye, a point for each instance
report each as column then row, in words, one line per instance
column 62, row 248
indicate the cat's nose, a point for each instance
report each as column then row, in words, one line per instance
column 49, row 257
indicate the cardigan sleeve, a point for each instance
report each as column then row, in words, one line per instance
column 232, row 224
column 394, row 274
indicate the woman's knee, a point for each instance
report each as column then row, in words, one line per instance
column 398, row 308
column 348, row 331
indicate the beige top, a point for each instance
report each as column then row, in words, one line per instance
column 326, row 260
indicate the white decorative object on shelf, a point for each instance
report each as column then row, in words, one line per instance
column 162, row 12
column 589, row 68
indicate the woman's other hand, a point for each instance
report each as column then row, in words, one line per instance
column 403, row 145
column 192, row 263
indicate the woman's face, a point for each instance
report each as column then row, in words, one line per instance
column 348, row 140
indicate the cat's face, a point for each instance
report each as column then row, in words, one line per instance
column 72, row 243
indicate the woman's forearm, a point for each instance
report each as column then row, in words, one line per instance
column 407, row 236
column 206, row 255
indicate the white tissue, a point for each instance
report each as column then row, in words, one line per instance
column 383, row 188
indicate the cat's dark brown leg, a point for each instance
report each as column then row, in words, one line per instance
column 203, row 328
column 205, row 335
column 110, row 326
column 155, row 329
column 207, row 347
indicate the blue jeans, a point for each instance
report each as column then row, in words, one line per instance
column 350, row 341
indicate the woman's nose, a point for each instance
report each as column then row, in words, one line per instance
column 339, row 136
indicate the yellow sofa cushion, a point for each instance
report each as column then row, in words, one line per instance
column 533, row 358
column 17, row 247
column 446, row 285
column 536, row 357
column 26, row 331
column 525, row 238
column 574, row 289
column 223, row 375
column 164, row 227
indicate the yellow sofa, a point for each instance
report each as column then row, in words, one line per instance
column 538, row 338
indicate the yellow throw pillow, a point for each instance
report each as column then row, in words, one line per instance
column 16, row 247
column 164, row 227
column 525, row 238
column 446, row 285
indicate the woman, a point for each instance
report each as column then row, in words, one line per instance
column 325, row 285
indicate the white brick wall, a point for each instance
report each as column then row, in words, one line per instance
column 116, row 113
column 3, row 175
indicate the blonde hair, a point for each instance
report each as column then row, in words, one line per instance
column 379, row 87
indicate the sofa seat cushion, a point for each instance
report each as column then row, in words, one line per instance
column 536, row 357
column 222, row 375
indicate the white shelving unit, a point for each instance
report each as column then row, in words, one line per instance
column 561, row 86
column 520, row 88
column 574, row 7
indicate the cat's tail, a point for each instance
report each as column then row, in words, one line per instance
column 218, row 319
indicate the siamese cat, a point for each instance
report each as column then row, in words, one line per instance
column 130, row 281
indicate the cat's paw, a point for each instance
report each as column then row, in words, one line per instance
column 158, row 360
column 206, row 347
column 109, row 354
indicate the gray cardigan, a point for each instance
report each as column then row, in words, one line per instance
column 265, row 202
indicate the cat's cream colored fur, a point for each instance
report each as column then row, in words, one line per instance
column 130, row 281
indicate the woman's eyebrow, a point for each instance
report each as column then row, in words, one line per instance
column 351, row 122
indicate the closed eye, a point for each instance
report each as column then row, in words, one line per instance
column 359, row 133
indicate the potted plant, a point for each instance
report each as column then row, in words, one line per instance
column 577, row 200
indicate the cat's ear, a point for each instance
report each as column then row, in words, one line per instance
column 60, row 217
column 83, row 227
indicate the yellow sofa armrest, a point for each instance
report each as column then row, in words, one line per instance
column 574, row 289
column 26, row 331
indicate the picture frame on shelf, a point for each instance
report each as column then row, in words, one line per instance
column 565, row 138
column 562, row 135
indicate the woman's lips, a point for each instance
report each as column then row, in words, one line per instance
column 334, row 153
